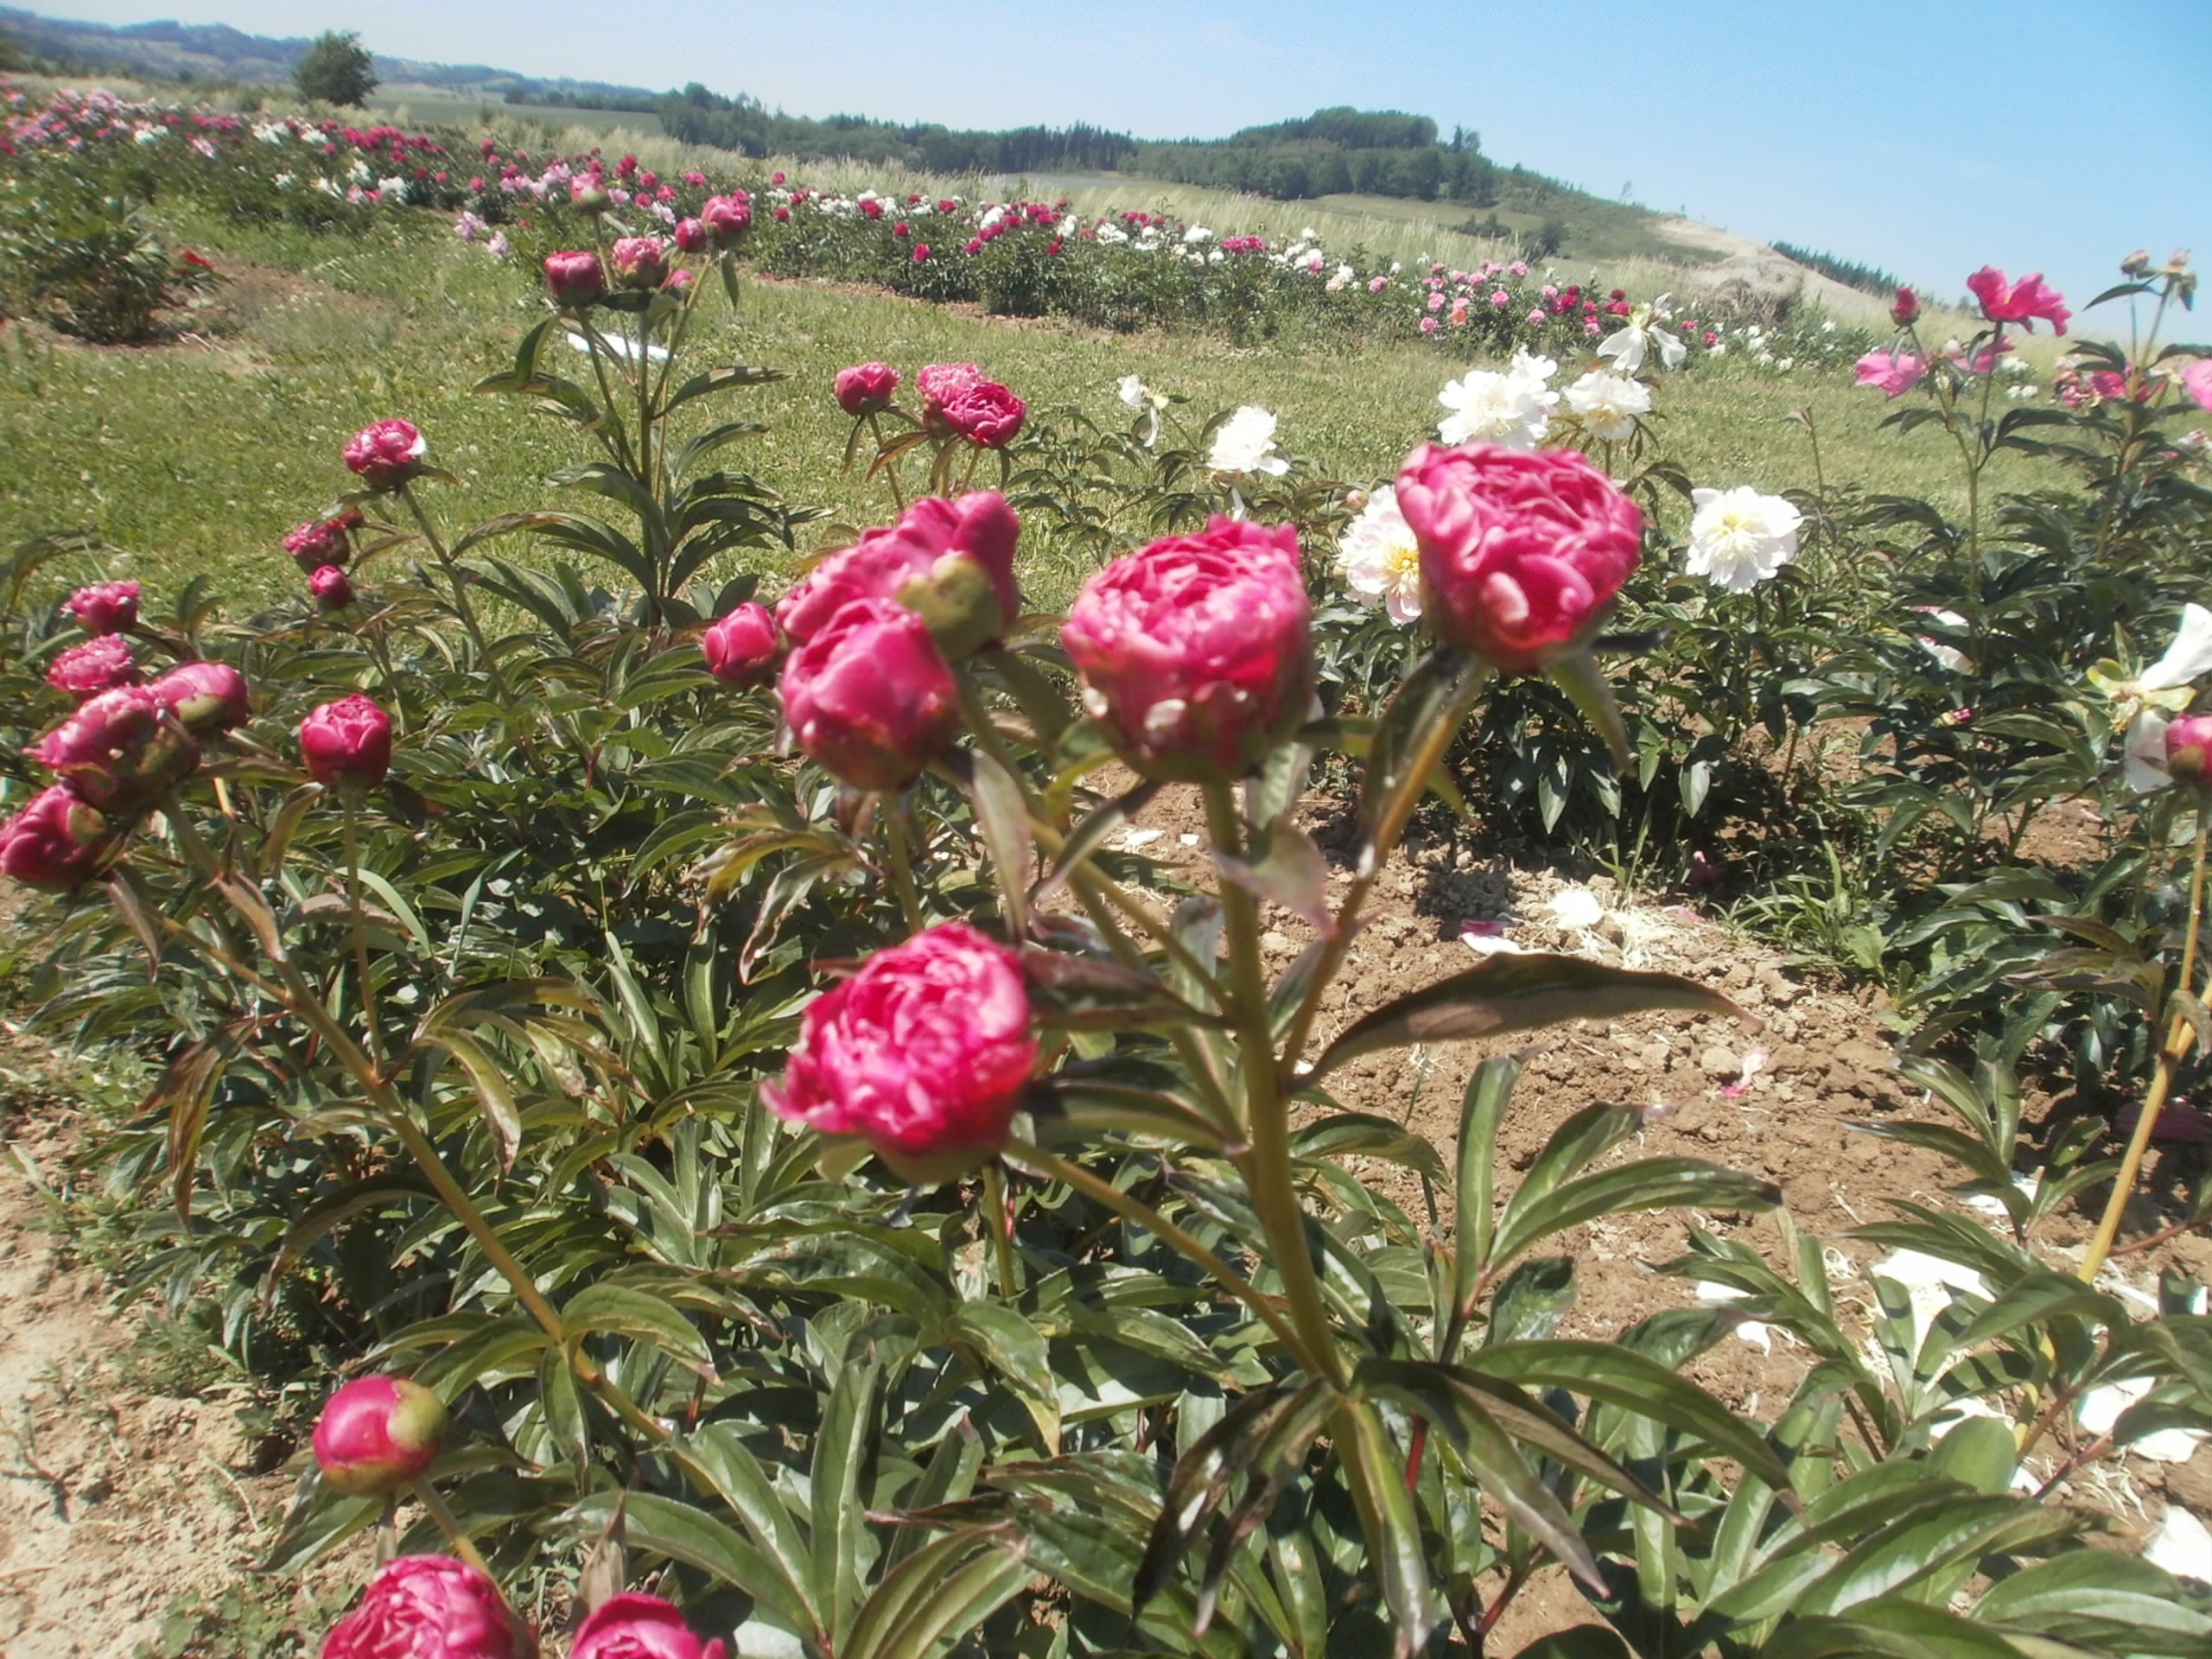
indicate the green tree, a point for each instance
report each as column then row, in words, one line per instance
column 335, row 69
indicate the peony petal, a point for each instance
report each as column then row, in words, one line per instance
column 2189, row 657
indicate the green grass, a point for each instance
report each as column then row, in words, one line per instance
column 196, row 458
column 404, row 105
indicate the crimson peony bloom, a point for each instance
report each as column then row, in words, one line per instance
column 205, row 698
column 99, row 664
column 986, row 414
column 105, row 608
column 635, row 1626
column 331, row 588
column 866, row 388
column 939, row 382
column 951, row 562
column 1904, row 310
column 2188, row 749
column 345, row 739
column 377, row 1433
column 575, row 278
column 428, row 1608
column 1522, row 551
column 2023, row 301
column 56, row 842
column 641, row 261
column 869, row 698
column 729, row 217
column 1197, row 652
column 742, row 648
column 119, row 751
column 692, row 236
column 325, row 541
column 924, row 1053
column 386, row 454
column 1895, row 372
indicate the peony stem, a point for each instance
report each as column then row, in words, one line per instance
column 998, row 1223
column 454, row 577
column 2181, row 1035
column 358, row 921
column 890, row 468
column 427, row 1494
column 902, row 866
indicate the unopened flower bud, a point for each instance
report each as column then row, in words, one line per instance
column 641, row 262
column 376, row 1434
column 1904, row 310
column 693, row 236
column 2188, row 749
column 348, row 739
column 2137, row 263
column 331, row 588
column 575, row 278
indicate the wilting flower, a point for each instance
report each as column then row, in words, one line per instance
column 1609, row 404
column 575, row 278
column 1739, row 537
column 99, row 664
column 377, row 1433
column 1138, row 396
column 332, row 589
column 641, row 261
column 1245, row 442
column 325, row 541
column 350, row 739
column 924, row 1053
column 1493, row 407
column 1895, row 372
column 387, row 453
column 105, row 608
column 56, row 842
column 205, row 698
column 1197, row 652
column 951, row 562
column 1379, row 559
column 866, row 388
column 119, row 750
column 1521, row 553
column 741, row 648
column 1629, row 344
column 428, row 1608
column 634, row 1626
column 869, row 698
column 2023, row 301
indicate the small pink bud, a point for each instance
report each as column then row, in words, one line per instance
column 377, row 1433
column 2188, row 749
column 347, row 740
column 692, row 236
column 741, row 648
column 575, row 278
column 105, row 607
column 1904, row 310
column 331, row 588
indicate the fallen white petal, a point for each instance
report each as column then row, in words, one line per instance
column 2182, row 1546
column 1576, row 908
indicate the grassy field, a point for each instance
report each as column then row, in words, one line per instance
column 196, row 457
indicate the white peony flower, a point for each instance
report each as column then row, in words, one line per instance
column 2180, row 1545
column 1246, row 443
column 2189, row 657
column 1628, row 346
column 2143, row 755
column 1138, row 396
column 1510, row 408
column 1379, row 559
column 1529, row 366
column 1609, row 404
column 1739, row 537
column 1948, row 657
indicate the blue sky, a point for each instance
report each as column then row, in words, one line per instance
column 1927, row 138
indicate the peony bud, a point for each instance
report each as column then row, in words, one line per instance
column 575, row 279
column 56, row 842
column 120, row 750
column 1904, row 310
column 680, row 279
column 1197, row 652
column 99, row 664
column 105, row 608
column 205, row 698
column 950, row 562
column 641, row 261
column 430, row 1607
column 325, row 541
column 866, row 388
column 2137, row 263
column 331, row 591
column 588, row 194
column 386, row 454
column 377, row 1433
column 692, row 236
column 348, row 739
column 924, row 1053
column 728, row 216
column 741, row 648
column 869, row 698
column 1522, row 551
column 635, row 1626
column 2188, row 749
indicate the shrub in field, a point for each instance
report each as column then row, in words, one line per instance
column 773, row 1142
column 94, row 268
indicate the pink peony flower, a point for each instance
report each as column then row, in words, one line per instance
column 56, row 842
column 921, row 253
column 1895, row 372
column 869, row 697
column 118, row 751
column 105, row 608
column 985, row 413
column 741, row 648
column 2188, row 749
column 692, row 236
column 428, row 1608
column 729, row 217
column 575, row 278
column 951, row 562
column 205, row 698
column 2023, row 301
column 1197, row 652
column 924, row 1053
column 641, row 261
column 332, row 589
column 377, row 1433
column 325, row 541
column 2197, row 381
column 635, row 1626
column 386, row 454
column 350, row 739
column 1522, row 551
column 99, row 664
column 866, row 388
